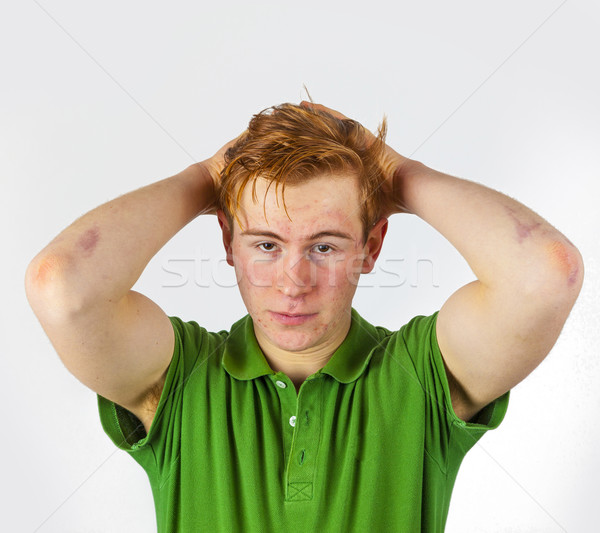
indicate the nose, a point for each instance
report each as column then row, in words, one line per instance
column 296, row 275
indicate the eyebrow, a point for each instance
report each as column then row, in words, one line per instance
column 314, row 236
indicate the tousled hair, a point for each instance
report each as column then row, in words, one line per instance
column 290, row 144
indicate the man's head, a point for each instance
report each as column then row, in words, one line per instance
column 298, row 259
column 291, row 144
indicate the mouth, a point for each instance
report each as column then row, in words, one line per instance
column 291, row 319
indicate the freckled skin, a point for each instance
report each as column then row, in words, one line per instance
column 561, row 255
column 88, row 241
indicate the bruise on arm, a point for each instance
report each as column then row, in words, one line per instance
column 523, row 229
column 561, row 250
column 58, row 256
column 88, row 240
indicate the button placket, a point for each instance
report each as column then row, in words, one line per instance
column 288, row 405
column 302, row 460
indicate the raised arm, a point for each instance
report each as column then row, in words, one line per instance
column 493, row 331
column 115, row 340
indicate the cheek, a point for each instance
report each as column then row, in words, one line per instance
column 254, row 272
column 346, row 273
column 339, row 281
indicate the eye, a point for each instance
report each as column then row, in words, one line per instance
column 322, row 248
column 266, row 246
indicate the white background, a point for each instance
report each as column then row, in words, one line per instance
column 97, row 99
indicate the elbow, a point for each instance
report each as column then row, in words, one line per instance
column 44, row 269
column 565, row 264
column 47, row 287
column 558, row 277
column 41, row 276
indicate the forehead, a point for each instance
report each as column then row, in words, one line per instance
column 324, row 201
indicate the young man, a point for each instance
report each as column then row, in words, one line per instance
column 304, row 417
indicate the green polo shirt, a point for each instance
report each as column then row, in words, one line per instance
column 369, row 443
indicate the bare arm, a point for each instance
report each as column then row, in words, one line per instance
column 493, row 331
column 114, row 340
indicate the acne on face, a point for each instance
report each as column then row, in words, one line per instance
column 302, row 215
column 295, row 278
column 308, row 223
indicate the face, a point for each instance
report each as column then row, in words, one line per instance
column 298, row 275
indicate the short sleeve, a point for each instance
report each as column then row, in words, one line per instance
column 447, row 431
column 126, row 431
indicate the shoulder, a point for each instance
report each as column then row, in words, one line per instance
column 194, row 347
column 193, row 340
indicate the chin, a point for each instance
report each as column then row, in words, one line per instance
column 294, row 342
column 292, row 346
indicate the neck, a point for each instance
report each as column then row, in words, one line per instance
column 301, row 364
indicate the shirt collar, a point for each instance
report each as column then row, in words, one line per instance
column 243, row 359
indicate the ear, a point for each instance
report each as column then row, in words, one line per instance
column 372, row 247
column 227, row 235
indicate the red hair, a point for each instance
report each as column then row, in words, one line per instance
column 290, row 144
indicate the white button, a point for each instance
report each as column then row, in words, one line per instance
column 292, row 421
column 281, row 384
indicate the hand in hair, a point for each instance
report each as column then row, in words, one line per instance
column 216, row 163
column 213, row 167
column 395, row 166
